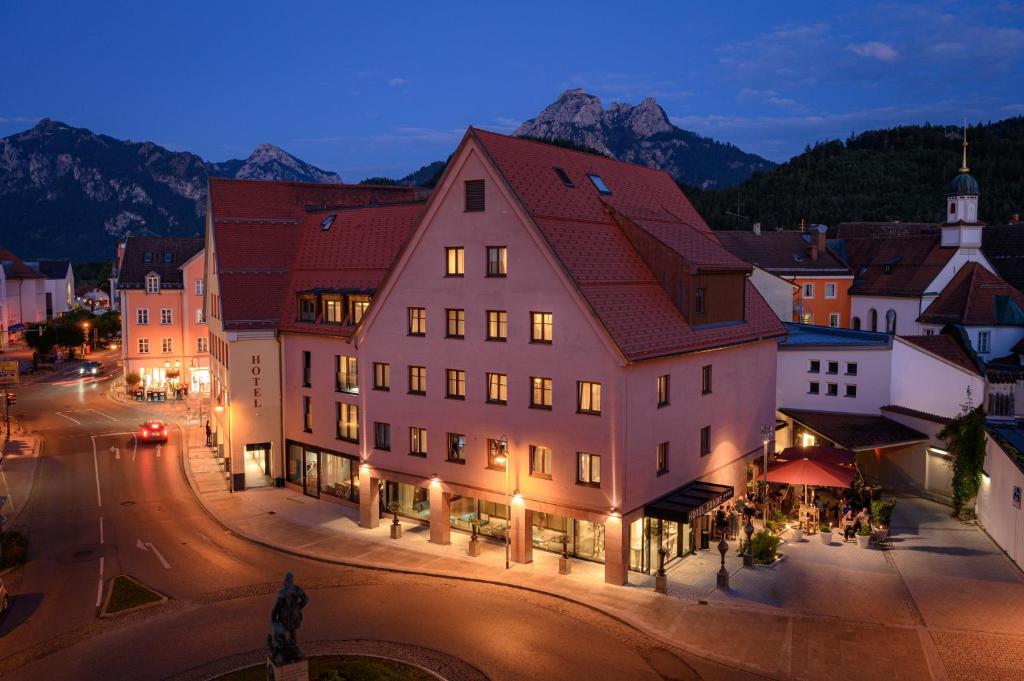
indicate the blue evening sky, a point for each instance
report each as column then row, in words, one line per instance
column 380, row 88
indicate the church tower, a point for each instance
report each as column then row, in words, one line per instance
column 962, row 227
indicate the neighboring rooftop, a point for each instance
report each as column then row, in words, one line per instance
column 51, row 269
column 1004, row 247
column 1010, row 437
column 163, row 255
column 15, row 267
column 892, row 258
column 855, row 431
column 809, row 335
column 976, row 297
column 786, row 253
column 914, row 413
column 949, row 347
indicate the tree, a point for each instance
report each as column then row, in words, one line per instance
column 41, row 338
column 68, row 335
column 108, row 325
column 965, row 439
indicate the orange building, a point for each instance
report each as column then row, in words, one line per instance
column 161, row 288
column 822, row 293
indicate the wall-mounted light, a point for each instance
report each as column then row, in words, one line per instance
column 435, row 481
column 517, row 498
column 615, row 513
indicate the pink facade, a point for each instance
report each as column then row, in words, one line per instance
column 625, row 434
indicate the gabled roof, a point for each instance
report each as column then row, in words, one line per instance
column 1004, row 247
column 784, row 253
column 15, row 267
column 855, row 431
column 948, row 347
column 976, row 297
column 51, row 269
column 586, row 230
column 166, row 255
column 270, row 244
column 893, row 258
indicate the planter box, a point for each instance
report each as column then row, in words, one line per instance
column 863, row 540
column 396, row 531
column 798, row 534
column 474, row 548
column 564, row 566
column 826, row 537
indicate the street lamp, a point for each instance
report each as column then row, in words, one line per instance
column 766, row 433
column 85, row 336
column 503, row 459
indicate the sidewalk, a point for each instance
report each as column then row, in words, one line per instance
column 727, row 627
column 17, row 475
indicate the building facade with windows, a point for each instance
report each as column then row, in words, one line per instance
column 24, row 292
column 821, row 281
column 161, row 292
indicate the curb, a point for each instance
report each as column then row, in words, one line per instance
column 127, row 611
column 699, row 653
column 37, row 451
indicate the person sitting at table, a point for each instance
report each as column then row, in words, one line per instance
column 860, row 520
column 848, row 521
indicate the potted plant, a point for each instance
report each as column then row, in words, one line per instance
column 564, row 562
column 826, row 534
column 474, row 540
column 396, row 527
column 863, row 535
column 765, row 546
column 798, row 532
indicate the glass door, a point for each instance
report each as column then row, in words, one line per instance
column 312, row 477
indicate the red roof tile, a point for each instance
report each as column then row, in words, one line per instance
column 911, row 252
column 784, row 253
column 579, row 223
column 15, row 268
column 948, row 348
column 976, row 297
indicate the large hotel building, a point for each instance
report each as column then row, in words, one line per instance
column 551, row 344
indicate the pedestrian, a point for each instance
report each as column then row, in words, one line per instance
column 209, row 434
column 734, row 523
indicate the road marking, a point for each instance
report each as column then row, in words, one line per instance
column 148, row 546
column 158, row 449
column 101, row 529
column 116, row 452
column 135, row 445
column 106, row 416
column 96, row 467
column 69, row 418
column 99, row 587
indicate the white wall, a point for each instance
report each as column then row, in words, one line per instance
column 959, row 259
column 1001, row 339
column 926, row 383
column 872, row 379
column 776, row 291
column 1001, row 519
column 906, row 310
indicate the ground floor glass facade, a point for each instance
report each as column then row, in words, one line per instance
column 322, row 472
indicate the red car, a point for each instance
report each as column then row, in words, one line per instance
column 153, row 431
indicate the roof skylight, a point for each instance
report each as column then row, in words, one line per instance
column 599, row 183
column 563, row 177
column 328, row 221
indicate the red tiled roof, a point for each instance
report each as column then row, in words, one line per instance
column 785, row 253
column 911, row 251
column 914, row 413
column 15, row 268
column 270, row 244
column 579, row 224
column 976, row 297
column 855, row 431
column 947, row 347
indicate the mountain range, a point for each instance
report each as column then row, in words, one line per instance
column 68, row 192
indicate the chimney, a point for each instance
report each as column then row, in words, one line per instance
column 757, row 228
column 819, row 237
column 1014, row 218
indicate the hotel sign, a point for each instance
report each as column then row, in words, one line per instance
column 713, row 502
column 257, row 389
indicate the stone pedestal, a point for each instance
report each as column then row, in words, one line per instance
column 661, row 584
column 369, row 499
column 474, row 549
column 440, row 511
column 565, row 566
column 522, row 534
column 396, row 531
column 296, row 671
column 723, row 579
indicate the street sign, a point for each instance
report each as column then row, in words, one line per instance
column 8, row 373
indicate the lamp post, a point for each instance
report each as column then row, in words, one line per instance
column 766, row 433
column 503, row 459
column 85, row 336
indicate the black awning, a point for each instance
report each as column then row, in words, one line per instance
column 689, row 501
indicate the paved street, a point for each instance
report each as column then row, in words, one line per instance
column 103, row 505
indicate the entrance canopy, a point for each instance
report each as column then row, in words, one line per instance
column 689, row 501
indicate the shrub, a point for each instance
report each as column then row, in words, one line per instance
column 864, row 530
column 881, row 512
column 132, row 379
column 764, row 546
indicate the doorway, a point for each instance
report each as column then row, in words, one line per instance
column 257, row 465
column 312, row 478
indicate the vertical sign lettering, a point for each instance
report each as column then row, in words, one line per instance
column 257, row 391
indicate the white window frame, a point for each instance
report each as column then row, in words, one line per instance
column 166, row 316
column 200, row 287
column 808, row 287
column 143, row 346
column 200, row 316
column 142, row 316
column 984, row 342
column 152, row 283
column 833, row 320
column 834, row 288
column 167, row 346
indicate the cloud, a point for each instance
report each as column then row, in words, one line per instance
column 627, row 86
column 505, row 124
column 396, row 82
column 18, row 119
column 769, row 97
column 400, row 134
column 875, row 50
column 366, row 73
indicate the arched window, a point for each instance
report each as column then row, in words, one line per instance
column 874, row 319
column 890, row 322
column 952, row 208
column 856, row 323
column 152, row 283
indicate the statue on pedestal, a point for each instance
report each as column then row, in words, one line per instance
column 285, row 620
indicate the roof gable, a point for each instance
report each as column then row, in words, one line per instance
column 161, row 255
column 976, row 297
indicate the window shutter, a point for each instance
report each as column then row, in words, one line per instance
column 474, row 195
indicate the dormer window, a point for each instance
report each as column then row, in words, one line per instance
column 152, row 283
column 307, row 308
column 599, row 184
column 357, row 308
column 167, row 256
column 147, row 256
column 333, row 310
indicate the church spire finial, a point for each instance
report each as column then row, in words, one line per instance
column 963, row 166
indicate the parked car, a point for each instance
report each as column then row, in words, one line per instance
column 90, row 368
column 5, row 601
column 153, row 431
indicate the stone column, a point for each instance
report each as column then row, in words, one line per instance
column 616, row 550
column 440, row 512
column 522, row 533
column 369, row 498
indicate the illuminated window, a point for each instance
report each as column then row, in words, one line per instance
column 417, row 321
column 540, row 461
column 418, row 441
column 455, row 384
column 588, row 397
column 540, row 327
column 346, row 374
column 417, row 380
column 663, row 390
column 497, row 388
column 456, row 324
column 540, row 392
column 588, row 469
column 454, row 261
column 497, row 261
column 497, row 325
column 381, row 376
column 348, row 422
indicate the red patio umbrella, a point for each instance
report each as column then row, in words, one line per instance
column 817, row 453
column 810, row 472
